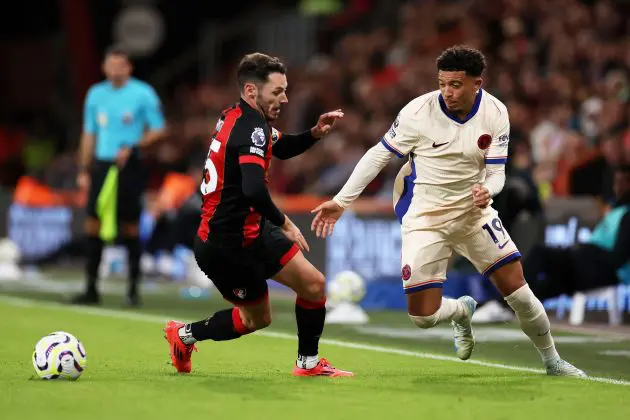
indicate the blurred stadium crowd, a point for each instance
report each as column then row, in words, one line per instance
column 561, row 67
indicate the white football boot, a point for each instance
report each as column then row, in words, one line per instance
column 559, row 367
column 464, row 339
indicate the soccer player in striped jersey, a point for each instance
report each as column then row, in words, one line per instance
column 243, row 238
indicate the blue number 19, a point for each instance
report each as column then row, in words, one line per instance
column 496, row 225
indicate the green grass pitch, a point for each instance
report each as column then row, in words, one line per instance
column 128, row 375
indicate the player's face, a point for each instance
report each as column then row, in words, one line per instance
column 117, row 68
column 458, row 90
column 272, row 95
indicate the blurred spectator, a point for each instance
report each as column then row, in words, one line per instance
column 603, row 261
column 561, row 67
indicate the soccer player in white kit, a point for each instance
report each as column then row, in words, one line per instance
column 456, row 141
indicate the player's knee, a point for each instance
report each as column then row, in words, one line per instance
column 425, row 322
column 258, row 323
column 509, row 278
column 316, row 288
column 263, row 322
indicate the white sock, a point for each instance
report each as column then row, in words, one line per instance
column 534, row 321
column 186, row 335
column 307, row 362
column 450, row 310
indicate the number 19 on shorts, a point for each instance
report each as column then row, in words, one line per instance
column 498, row 235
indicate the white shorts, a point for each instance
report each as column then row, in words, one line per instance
column 478, row 236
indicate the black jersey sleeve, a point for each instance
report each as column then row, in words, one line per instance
column 252, row 142
column 286, row 146
column 255, row 189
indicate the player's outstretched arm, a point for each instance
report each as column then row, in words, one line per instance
column 370, row 165
column 291, row 145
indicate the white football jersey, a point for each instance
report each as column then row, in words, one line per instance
column 446, row 156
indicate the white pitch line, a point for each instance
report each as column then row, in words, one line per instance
column 128, row 315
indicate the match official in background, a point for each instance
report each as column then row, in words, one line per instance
column 122, row 117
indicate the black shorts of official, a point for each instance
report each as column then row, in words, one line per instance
column 241, row 274
column 132, row 180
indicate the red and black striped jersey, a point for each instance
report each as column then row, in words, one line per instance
column 242, row 140
column 241, row 136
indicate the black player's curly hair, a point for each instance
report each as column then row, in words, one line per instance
column 257, row 67
column 462, row 58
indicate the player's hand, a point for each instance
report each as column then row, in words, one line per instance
column 293, row 233
column 83, row 180
column 481, row 196
column 325, row 123
column 123, row 156
column 327, row 215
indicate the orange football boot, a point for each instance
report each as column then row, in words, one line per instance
column 323, row 368
column 180, row 352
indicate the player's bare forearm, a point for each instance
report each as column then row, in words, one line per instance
column 86, row 149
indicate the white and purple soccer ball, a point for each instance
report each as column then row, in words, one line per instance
column 346, row 287
column 59, row 355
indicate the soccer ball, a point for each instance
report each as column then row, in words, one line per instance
column 346, row 287
column 59, row 355
column 9, row 251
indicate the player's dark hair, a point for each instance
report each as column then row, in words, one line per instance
column 257, row 67
column 118, row 50
column 462, row 58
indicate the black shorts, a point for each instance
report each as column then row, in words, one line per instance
column 241, row 274
column 131, row 186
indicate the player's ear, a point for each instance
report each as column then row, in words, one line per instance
column 250, row 89
column 478, row 83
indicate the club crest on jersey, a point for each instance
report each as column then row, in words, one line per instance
column 484, row 141
column 406, row 272
column 258, row 137
column 240, row 293
column 275, row 135
column 127, row 118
